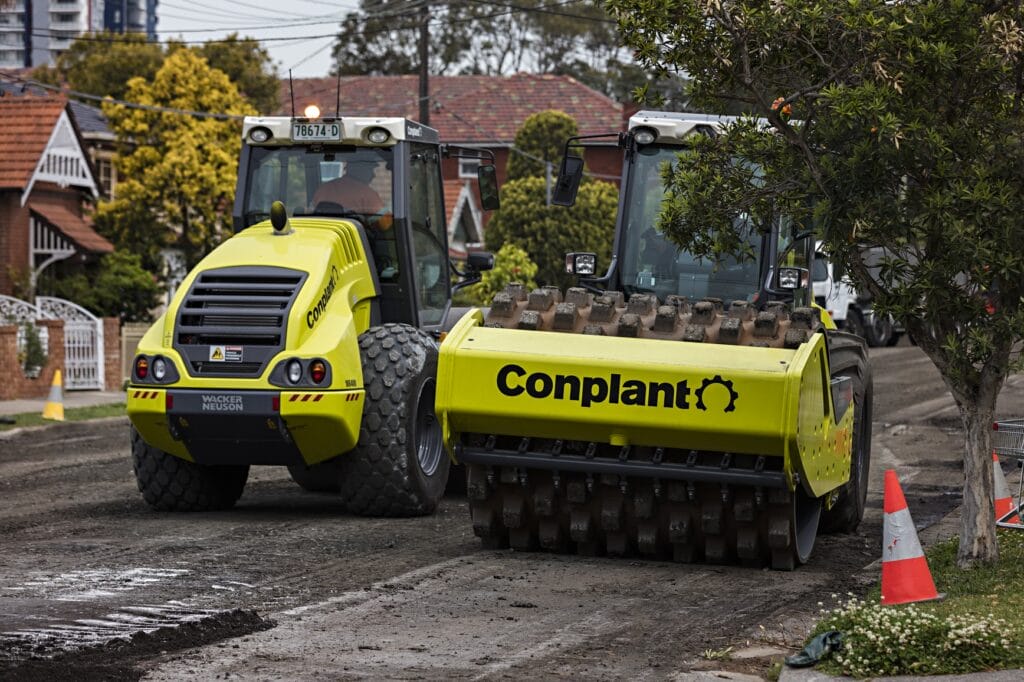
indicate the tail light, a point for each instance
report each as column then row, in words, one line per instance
column 317, row 371
column 141, row 367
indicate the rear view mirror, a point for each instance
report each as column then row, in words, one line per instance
column 569, row 176
column 487, row 178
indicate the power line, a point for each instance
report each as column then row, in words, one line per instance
column 209, row 10
column 114, row 38
column 310, row 56
column 545, row 10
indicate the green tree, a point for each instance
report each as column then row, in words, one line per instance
column 117, row 286
column 578, row 40
column 547, row 233
column 540, row 139
column 250, row 68
column 103, row 63
column 896, row 126
column 511, row 264
column 177, row 170
column 382, row 38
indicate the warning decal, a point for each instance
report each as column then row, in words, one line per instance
column 225, row 353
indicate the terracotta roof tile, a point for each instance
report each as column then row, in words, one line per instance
column 26, row 123
column 467, row 109
column 71, row 225
column 452, row 192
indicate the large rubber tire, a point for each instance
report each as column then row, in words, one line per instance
column 319, row 478
column 854, row 323
column 848, row 357
column 399, row 467
column 880, row 332
column 169, row 483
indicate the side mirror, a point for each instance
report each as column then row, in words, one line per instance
column 487, row 178
column 476, row 262
column 479, row 261
column 569, row 176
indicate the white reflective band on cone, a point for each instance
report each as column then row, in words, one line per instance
column 999, row 478
column 900, row 537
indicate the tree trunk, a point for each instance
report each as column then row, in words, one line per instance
column 977, row 516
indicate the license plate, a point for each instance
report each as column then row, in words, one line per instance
column 316, row 132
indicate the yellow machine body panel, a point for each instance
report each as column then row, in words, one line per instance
column 327, row 314
column 647, row 392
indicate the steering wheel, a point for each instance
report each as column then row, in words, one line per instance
column 333, row 208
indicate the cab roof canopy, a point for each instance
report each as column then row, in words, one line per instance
column 354, row 130
column 675, row 127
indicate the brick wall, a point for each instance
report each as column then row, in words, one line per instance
column 13, row 239
column 15, row 384
column 112, row 354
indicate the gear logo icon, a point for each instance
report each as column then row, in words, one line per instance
column 717, row 379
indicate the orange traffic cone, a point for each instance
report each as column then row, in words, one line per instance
column 1006, row 511
column 54, row 408
column 905, row 574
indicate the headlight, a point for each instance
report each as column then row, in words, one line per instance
column 645, row 135
column 294, row 371
column 584, row 264
column 378, row 135
column 259, row 134
column 159, row 369
column 789, row 278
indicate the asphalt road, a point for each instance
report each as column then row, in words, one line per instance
column 95, row 585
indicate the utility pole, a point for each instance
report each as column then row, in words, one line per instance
column 424, row 66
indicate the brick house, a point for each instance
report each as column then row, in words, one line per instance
column 474, row 111
column 45, row 179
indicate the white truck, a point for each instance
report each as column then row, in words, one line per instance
column 849, row 309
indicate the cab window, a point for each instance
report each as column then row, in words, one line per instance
column 429, row 233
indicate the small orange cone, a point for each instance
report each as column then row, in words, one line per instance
column 1006, row 511
column 54, row 408
column 905, row 574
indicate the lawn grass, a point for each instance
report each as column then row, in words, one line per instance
column 989, row 593
column 992, row 590
column 72, row 414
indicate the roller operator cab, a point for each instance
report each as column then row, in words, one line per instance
column 309, row 338
column 705, row 411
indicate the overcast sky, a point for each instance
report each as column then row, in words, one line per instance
column 300, row 32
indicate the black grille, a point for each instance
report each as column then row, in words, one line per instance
column 244, row 309
column 227, row 368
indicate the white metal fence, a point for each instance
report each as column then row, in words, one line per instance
column 83, row 343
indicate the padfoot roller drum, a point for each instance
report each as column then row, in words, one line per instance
column 686, row 431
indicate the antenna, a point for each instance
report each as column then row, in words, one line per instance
column 337, row 111
column 291, row 90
